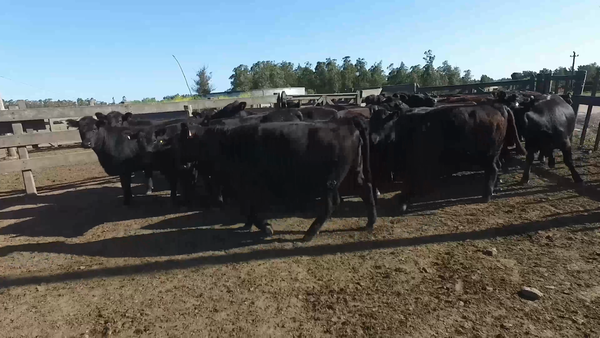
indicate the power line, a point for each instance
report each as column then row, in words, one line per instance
column 182, row 73
column 23, row 83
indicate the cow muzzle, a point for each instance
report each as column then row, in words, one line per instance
column 86, row 144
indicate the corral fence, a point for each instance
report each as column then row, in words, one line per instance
column 543, row 83
column 42, row 126
column 46, row 126
column 321, row 99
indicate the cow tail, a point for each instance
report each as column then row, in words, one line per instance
column 512, row 134
column 363, row 130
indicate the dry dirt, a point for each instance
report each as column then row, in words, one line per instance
column 74, row 262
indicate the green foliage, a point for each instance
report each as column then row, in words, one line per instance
column 202, row 82
column 326, row 77
column 484, row 78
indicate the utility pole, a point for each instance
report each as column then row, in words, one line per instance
column 575, row 55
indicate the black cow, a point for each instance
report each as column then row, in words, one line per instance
column 277, row 115
column 416, row 100
column 546, row 122
column 234, row 109
column 318, row 113
column 122, row 151
column 374, row 99
column 289, row 164
column 426, row 144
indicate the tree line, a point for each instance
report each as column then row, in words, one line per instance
column 331, row 76
column 328, row 76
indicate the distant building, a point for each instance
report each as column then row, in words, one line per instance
column 260, row 92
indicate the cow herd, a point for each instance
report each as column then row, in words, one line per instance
column 299, row 156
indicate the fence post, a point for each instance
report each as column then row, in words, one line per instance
column 531, row 84
column 578, row 85
column 589, row 112
column 547, row 84
column 539, row 83
column 358, row 98
column 24, row 155
column 188, row 109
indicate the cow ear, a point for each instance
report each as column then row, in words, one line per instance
column 127, row 116
column 100, row 116
column 396, row 96
column 501, row 95
column 73, row 123
column 242, row 105
column 403, row 97
column 160, row 132
column 100, row 123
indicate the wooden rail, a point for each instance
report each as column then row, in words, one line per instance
column 478, row 87
column 21, row 140
column 321, row 99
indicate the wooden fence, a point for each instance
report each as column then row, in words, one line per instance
column 21, row 138
column 20, row 120
column 321, row 99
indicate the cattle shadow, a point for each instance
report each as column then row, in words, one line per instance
column 146, row 246
column 71, row 213
column 158, row 244
column 74, row 212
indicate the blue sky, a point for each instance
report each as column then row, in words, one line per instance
column 69, row 49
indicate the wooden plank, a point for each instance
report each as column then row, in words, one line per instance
column 474, row 85
column 81, row 157
column 28, row 180
column 562, row 77
column 76, row 112
column 71, row 136
column 597, row 138
column 587, row 100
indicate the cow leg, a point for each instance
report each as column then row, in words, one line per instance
column 173, row 180
column 568, row 158
column 491, row 175
column 408, row 192
column 322, row 218
column 149, row 183
column 264, row 226
column 369, row 197
column 126, row 186
column 551, row 160
column 528, row 162
column 187, row 183
column 336, row 199
column 542, row 157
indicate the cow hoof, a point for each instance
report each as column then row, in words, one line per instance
column 486, row 199
column 246, row 227
column 524, row 181
column 268, row 230
column 377, row 193
column 308, row 238
column 403, row 208
column 148, row 192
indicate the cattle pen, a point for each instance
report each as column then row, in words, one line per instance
column 75, row 262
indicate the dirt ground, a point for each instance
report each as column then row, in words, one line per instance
column 74, row 262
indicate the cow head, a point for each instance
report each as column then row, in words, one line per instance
column 113, row 118
column 89, row 130
column 380, row 122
